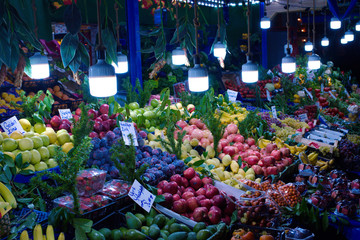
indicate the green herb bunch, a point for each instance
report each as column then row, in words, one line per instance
column 83, row 127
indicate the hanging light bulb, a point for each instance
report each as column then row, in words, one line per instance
column 343, row 40
column 325, row 42
column 314, row 62
column 335, row 23
column 288, row 64
column 122, row 64
column 309, row 46
column 219, row 50
column 249, row 72
column 357, row 26
column 178, row 56
column 39, row 66
column 349, row 36
column 265, row 22
column 102, row 78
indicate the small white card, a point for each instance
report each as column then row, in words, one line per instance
column 127, row 129
column 303, row 117
column 268, row 95
column 322, row 87
column 332, row 95
column 65, row 114
column 273, row 109
column 141, row 196
column 308, row 93
column 232, row 95
column 11, row 125
column 347, row 93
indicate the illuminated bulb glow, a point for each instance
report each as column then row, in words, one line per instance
column 314, row 62
column 178, row 56
column 309, row 46
column 102, row 79
column 265, row 23
column 335, row 23
column 39, row 66
column 249, row 72
column 343, row 40
column 288, row 64
column 349, row 36
column 357, row 26
column 122, row 64
column 198, row 79
column 219, row 50
column 325, row 42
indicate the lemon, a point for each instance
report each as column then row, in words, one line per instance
column 39, row 127
column 16, row 135
column 67, row 147
column 25, row 124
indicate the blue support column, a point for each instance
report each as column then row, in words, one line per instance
column 133, row 29
column 264, row 58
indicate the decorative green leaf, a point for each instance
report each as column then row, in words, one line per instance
column 68, row 48
column 75, row 63
column 72, row 18
column 110, row 44
column 198, row 163
column 15, row 52
column 85, row 58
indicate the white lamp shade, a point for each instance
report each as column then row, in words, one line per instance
column 39, row 66
column 314, row 62
column 288, row 64
column 219, row 50
column 349, row 36
column 343, row 40
column 265, row 23
column 357, row 26
column 249, row 72
column 178, row 56
column 325, row 42
column 198, row 79
column 122, row 64
column 102, row 79
column 335, row 23
column 309, row 46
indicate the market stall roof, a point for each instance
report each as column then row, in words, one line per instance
column 279, row 6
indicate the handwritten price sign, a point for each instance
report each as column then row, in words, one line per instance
column 65, row 114
column 232, row 95
column 141, row 196
column 128, row 132
column 11, row 125
column 273, row 110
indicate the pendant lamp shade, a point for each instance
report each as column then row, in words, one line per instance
column 39, row 66
column 249, row 72
column 314, row 62
column 102, row 79
column 309, row 46
column 122, row 64
column 198, row 79
column 357, row 26
column 178, row 56
column 265, row 23
column 335, row 23
column 349, row 36
column 343, row 40
column 325, row 42
column 288, row 64
column 219, row 50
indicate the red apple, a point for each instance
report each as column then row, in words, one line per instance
column 200, row 197
column 219, row 200
column 102, row 134
column 78, row 111
column 196, row 183
column 214, row 216
column 184, row 182
column 187, row 195
column 176, row 178
column 55, row 121
column 104, row 117
column 189, row 189
column 200, row 191
column 93, row 134
column 171, row 187
column 192, row 203
column 250, row 141
column 162, row 184
column 200, row 214
column 104, row 109
column 189, row 173
column 276, row 154
column 206, row 203
column 176, row 197
column 180, row 206
column 168, row 200
column 285, row 151
column 92, row 113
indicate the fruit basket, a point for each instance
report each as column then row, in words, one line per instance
column 180, row 88
column 238, row 230
column 90, row 181
column 39, row 84
column 56, row 107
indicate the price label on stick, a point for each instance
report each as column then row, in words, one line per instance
column 232, row 95
column 347, row 93
column 273, row 109
column 65, row 114
column 308, row 93
column 303, row 117
column 322, row 87
column 11, row 125
column 332, row 95
column 128, row 133
column 268, row 95
column 141, row 196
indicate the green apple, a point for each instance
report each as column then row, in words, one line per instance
column 133, row 116
column 72, row 138
column 52, row 150
column 44, row 152
column 29, row 134
column 148, row 108
column 16, row 152
column 37, row 141
column 149, row 114
column 63, row 138
column 61, row 131
column 39, row 127
column 30, row 167
column 9, row 145
column 26, row 156
column 147, row 123
column 154, row 103
column 26, row 144
column 36, row 157
column 51, row 163
column 134, row 105
column 40, row 166
column 45, row 140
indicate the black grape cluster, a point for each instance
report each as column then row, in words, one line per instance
column 349, row 155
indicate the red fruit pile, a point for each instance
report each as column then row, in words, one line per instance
column 334, row 112
column 115, row 188
column 103, row 122
column 57, row 123
column 90, row 181
column 195, row 198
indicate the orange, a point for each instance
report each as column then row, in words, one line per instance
column 248, row 236
column 56, row 88
column 266, row 237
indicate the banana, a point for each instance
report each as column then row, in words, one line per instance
column 61, row 236
column 325, row 167
column 37, row 233
column 320, row 163
column 331, row 162
column 7, row 195
column 50, row 233
column 279, row 142
column 313, row 157
column 304, row 158
column 24, row 235
column 302, row 148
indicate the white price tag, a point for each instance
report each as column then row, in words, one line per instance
column 322, row 87
column 128, row 132
column 332, row 95
column 11, row 125
column 273, row 109
column 303, row 117
column 317, row 104
column 141, row 196
column 59, row 69
column 309, row 93
column 347, row 93
column 268, row 95
column 65, row 114
column 162, row 135
column 232, row 95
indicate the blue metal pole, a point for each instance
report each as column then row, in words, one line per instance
column 133, row 29
column 264, row 59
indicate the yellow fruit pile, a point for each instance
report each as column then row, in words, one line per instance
column 6, row 98
column 231, row 113
column 295, row 150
